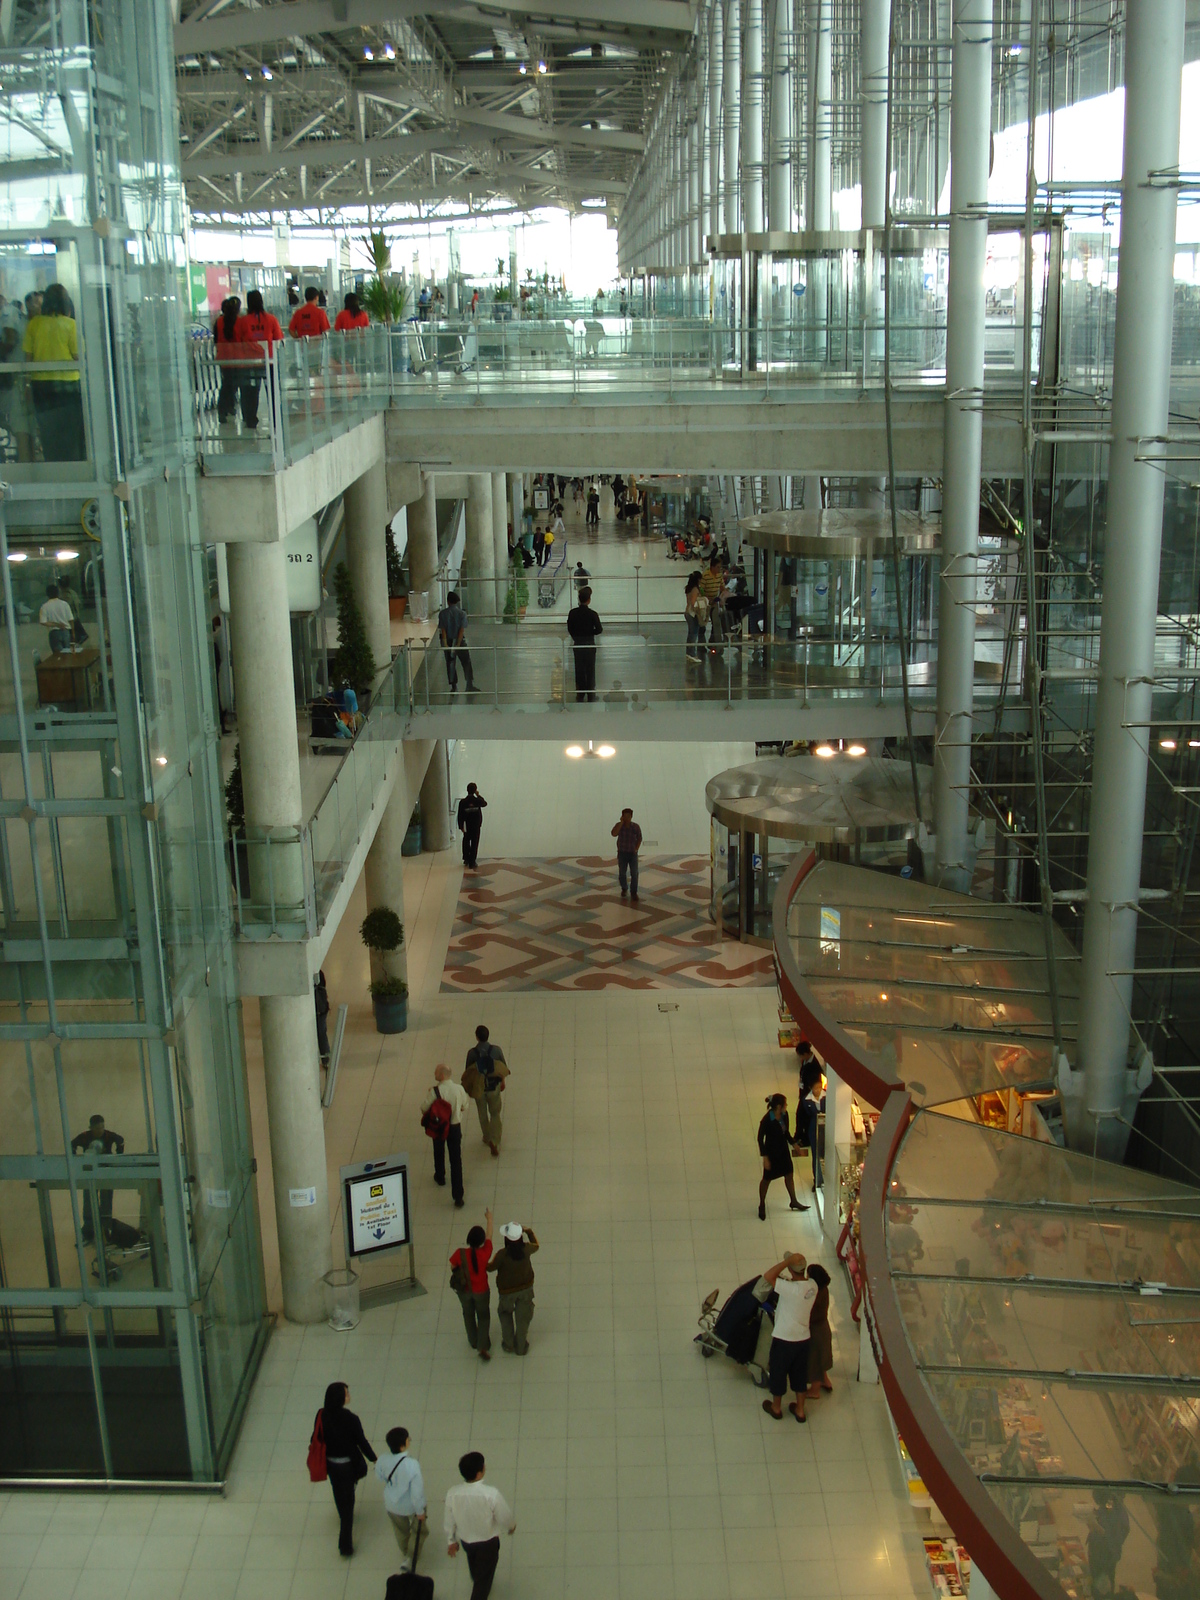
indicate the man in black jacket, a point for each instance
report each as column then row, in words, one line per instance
column 470, row 821
column 585, row 627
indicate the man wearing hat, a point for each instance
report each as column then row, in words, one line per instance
column 514, row 1286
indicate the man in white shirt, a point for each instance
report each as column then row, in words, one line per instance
column 57, row 616
column 788, row 1361
column 476, row 1516
column 457, row 1099
column 403, row 1495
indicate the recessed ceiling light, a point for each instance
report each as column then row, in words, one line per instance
column 824, row 750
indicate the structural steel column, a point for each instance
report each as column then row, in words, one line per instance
column 695, row 157
column 716, row 72
column 499, row 536
column 436, row 833
column 731, row 183
column 422, row 536
column 365, row 506
column 260, row 630
column 820, row 89
column 1133, row 541
column 875, row 23
column 752, row 119
column 779, row 186
column 970, row 136
column 480, row 552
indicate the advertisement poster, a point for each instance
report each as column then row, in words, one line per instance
column 377, row 1209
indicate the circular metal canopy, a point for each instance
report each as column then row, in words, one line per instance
column 840, row 532
column 823, row 800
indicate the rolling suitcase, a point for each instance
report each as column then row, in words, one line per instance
column 410, row 1585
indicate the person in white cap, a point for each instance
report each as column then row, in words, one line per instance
column 514, row 1286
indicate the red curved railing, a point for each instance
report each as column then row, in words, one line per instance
column 995, row 1546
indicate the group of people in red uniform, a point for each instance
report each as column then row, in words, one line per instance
column 240, row 337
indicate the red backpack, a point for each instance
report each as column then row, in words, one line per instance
column 317, row 1470
column 436, row 1120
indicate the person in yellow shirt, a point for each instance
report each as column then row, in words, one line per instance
column 57, row 396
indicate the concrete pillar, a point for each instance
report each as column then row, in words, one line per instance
column 479, row 556
column 1133, row 542
column 875, row 24
column 262, row 653
column 716, row 73
column 752, row 119
column 366, row 524
column 383, row 876
column 731, row 116
column 500, row 513
column 779, row 186
column 970, row 135
column 436, row 833
column 422, row 537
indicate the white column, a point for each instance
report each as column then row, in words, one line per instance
column 695, row 222
column 422, row 536
column 260, row 633
column 480, row 552
column 365, row 506
column 779, row 188
column 716, row 72
column 875, row 23
column 436, row 832
column 752, row 119
column 500, row 513
column 1133, row 542
column 820, row 89
column 731, row 117
column 970, row 137
column 838, row 1096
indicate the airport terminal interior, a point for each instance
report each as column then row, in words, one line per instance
column 600, row 608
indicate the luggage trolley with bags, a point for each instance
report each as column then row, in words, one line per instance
column 742, row 1329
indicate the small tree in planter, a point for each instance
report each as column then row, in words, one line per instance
column 235, row 811
column 354, row 663
column 397, row 587
column 383, row 934
column 517, row 598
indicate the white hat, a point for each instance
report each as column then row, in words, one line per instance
column 511, row 1230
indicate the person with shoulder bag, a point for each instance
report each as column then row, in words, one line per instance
column 441, row 1118
column 483, row 1079
column 347, row 1451
column 469, row 1280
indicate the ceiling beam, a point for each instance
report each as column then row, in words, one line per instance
column 253, row 160
column 548, row 133
column 305, row 18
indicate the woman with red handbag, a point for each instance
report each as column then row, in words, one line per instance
column 346, row 1446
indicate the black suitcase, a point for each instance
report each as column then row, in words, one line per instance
column 412, row 1585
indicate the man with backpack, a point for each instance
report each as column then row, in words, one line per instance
column 483, row 1079
column 441, row 1117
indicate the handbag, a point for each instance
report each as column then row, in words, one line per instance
column 458, row 1279
column 472, row 1082
column 317, row 1469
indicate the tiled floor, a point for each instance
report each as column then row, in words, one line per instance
column 636, row 1468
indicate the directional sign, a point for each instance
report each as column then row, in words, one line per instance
column 375, row 1197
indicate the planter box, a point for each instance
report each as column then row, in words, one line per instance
column 397, row 606
column 391, row 1016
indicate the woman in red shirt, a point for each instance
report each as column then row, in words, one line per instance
column 352, row 317
column 470, row 1266
column 228, row 354
column 257, row 324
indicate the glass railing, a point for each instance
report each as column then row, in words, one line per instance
column 287, row 878
column 262, row 412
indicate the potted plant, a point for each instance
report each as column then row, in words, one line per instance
column 235, row 811
column 383, row 934
column 517, row 598
column 390, row 999
column 397, row 588
column 354, row 663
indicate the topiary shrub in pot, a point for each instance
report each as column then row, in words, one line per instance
column 383, row 934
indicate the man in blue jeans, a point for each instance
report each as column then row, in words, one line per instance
column 629, row 840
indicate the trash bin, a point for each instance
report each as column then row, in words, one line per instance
column 341, row 1298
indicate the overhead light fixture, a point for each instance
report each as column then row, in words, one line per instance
column 541, row 66
column 856, row 750
column 522, row 68
column 389, row 51
column 1166, row 744
column 606, row 750
column 18, row 555
column 66, row 555
column 1193, row 744
column 1014, row 49
column 368, row 53
column 883, row 996
column 267, row 74
column 574, row 751
column 161, row 760
column 824, row 750
column 593, row 752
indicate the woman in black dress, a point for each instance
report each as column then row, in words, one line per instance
column 775, row 1147
column 346, row 1445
